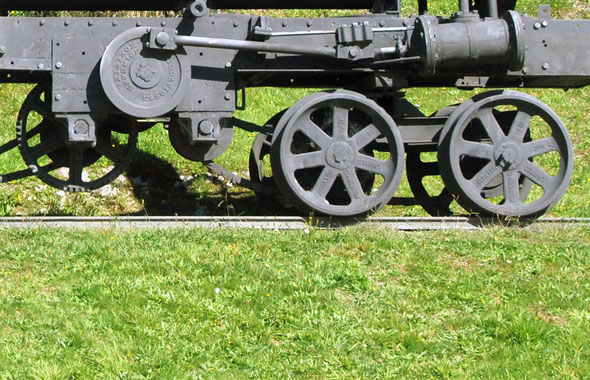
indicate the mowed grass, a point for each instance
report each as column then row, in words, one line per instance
column 498, row 303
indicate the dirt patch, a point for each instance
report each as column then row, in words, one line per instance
column 550, row 318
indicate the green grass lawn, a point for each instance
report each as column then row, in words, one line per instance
column 498, row 303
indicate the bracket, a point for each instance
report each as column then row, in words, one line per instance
column 81, row 129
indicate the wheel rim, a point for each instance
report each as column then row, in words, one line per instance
column 323, row 159
column 511, row 155
column 261, row 148
column 44, row 149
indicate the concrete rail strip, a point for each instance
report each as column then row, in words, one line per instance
column 272, row 223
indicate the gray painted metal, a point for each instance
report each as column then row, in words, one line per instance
column 507, row 152
column 104, row 73
column 141, row 82
column 332, row 133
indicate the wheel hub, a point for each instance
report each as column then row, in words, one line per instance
column 339, row 155
column 146, row 76
column 508, row 155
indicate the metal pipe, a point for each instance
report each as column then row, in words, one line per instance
column 221, row 43
column 464, row 6
column 493, row 8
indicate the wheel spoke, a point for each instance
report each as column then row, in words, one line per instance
column 475, row 149
column 324, row 184
column 315, row 133
column 307, row 160
column 375, row 165
column 76, row 166
column 539, row 176
column 511, row 188
column 109, row 152
column 340, row 123
column 46, row 147
column 8, row 146
column 521, row 123
column 366, row 136
column 43, row 109
column 525, row 189
column 541, row 146
column 490, row 124
column 14, row 176
column 485, row 176
column 353, row 185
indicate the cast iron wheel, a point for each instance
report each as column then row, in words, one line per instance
column 260, row 150
column 511, row 154
column 42, row 143
column 327, row 154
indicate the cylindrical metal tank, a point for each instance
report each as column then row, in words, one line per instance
column 112, row 5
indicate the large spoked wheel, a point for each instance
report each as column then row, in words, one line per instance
column 42, row 144
column 507, row 155
column 339, row 154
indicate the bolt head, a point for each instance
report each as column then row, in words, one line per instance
column 2, row 50
column 81, row 127
column 58, row 97
column 354, row 53
column 545, row 66
column 163, row 39
column 545, row 23
column 206, row 127
column 58, row 65
column 537, row 25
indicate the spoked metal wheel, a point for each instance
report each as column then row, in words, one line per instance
column 258, row 167
column 338, row 154
column 42, row 144
column 522, row 165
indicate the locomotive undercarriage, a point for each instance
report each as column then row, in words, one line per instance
column 340, row 152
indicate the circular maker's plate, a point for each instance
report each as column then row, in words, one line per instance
column 143, row 82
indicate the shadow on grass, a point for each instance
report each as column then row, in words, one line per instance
column 164, row 192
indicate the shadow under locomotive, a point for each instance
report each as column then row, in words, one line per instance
column 163, row 191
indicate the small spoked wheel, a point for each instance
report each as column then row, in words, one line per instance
column 506, row 155
column 258, row 166
column 339, row 154
column 43, row 146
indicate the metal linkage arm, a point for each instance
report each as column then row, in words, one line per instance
column 264, row 47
